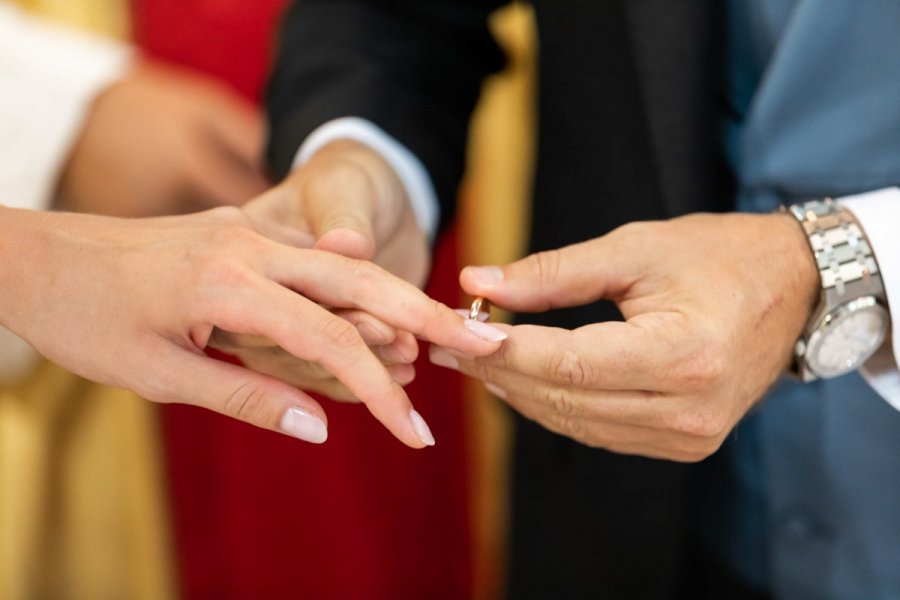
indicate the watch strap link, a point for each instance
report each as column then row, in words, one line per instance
column 847, row 266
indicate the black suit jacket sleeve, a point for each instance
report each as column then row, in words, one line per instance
column 412, row 67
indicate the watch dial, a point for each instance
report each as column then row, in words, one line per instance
column 849, row 340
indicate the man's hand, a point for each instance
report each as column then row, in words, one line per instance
column 713, row 306
column 347, row 199
column 133, row 303
column 164, row 141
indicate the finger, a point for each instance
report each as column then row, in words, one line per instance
column 339, row 200
column 374, row 331
column 570, row 276
column 628, row 422
column 274, row 361
column 241, row 394
column 631, row 407
column 312, row 333
column 335, row 390
column 403, row 350
column 615, row 437
column 275, row 215
column 341, row 282
column 604, row 356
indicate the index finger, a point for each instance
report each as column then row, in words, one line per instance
column 312, row 333
column 603, row 356
column 346, row 283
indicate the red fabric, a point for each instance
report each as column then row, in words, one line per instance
column 259, row 515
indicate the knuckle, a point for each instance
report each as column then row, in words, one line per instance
column 698, row 451
column 338, row 174
column 500, row 359
column 560, row 402
column 703, row 369
column 480, row 370
column 572, row 427
column 545, row 266
column 246, row 402
column 214, row 272
column 702, row 424
column 568, row 367
column 341, row 334
column 234, row 235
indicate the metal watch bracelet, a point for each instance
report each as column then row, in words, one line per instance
column 845, row 261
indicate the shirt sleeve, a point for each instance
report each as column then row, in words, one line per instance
column 49, row 75
column 409, row 169
column 879, row 214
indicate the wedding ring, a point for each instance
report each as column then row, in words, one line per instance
column 476, row 309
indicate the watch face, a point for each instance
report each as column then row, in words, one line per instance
column 847, row 338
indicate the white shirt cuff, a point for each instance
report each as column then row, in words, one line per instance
column 879, row 214
column 49, row 75
column 409, row 169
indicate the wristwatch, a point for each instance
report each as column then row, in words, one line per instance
column 850, row 320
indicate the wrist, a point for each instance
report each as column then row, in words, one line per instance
column 807, row 284
column 849, row 319
column 17, row 259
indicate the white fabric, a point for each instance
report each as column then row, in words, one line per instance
column 879, row 214
column 409, row 169
column 49, row 76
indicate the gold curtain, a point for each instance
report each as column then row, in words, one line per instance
column 494, row 221
column 83, row 507
column 105, row 17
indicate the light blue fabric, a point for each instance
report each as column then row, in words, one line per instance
column 804, row 498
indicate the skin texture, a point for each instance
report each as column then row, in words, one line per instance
column 346, row 199
column 133, row 302
column 166, row 141
column 713, row 306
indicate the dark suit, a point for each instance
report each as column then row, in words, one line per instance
column 626, row 132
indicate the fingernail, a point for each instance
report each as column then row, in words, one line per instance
column 465, row 312
column 440, row 357
column 421, row 427
column 300, row 424
column 487, row 275
column 495, row 390
column 485, row 331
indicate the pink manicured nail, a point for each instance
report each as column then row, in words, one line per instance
column 490, row 276
column 440, row 357
column 464, row 313
column 495, row 390
column 300, row 424
column 485, row 331
column 421, row 427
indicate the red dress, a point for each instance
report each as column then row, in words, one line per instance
column 260, row 515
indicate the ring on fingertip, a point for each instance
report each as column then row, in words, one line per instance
column 479, row 305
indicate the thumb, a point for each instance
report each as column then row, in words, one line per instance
column 340, row 200
column 244, row 395
column 570, row 276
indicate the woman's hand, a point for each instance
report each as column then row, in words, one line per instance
column 397, row 350
column 164, row 141
column 133, row 303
